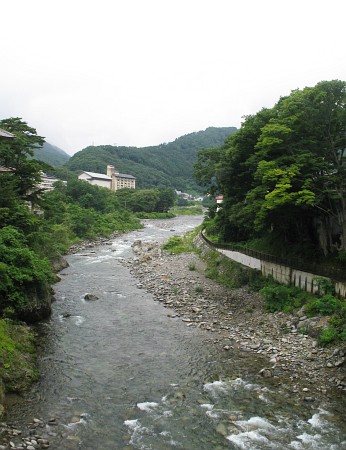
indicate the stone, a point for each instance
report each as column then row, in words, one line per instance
column 266, row 373
column 90, row 297
column 339, row 363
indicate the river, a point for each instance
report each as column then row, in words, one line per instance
column 117, row 373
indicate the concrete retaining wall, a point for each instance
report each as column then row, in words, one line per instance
column 246, row 260
column 282, row 274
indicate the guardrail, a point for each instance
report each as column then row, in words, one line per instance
column 335, row 274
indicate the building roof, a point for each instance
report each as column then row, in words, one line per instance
column 5, row 134
column 5, row 169
column 100, row 176
column 124, row 175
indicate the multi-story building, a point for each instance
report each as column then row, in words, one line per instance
column 47, row 182
column 112, row 180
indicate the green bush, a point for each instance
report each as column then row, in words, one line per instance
column 325, row 306
column 328, row 335
column 155, row 215
column 325, row 285
column 280, row 297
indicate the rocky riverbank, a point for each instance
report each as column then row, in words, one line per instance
column 237, row 319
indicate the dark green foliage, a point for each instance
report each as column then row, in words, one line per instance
column 146, row 200
column 325, row 286
column 284, row 173
column 22, row 272
column 85, row 211
column 27, row 240
column 165, row 165
column 194, row 210
column 155, row 215
column 279, row 297
column 326, row 306
column 15, row 155
column 329, row 335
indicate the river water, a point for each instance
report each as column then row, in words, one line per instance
column 117, row 373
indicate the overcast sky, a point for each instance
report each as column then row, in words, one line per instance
column 144, row 72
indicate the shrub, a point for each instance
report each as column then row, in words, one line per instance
column 326, row 305
column 328, row 335
column 282, row 298
column 325, row 285
column 180, row 244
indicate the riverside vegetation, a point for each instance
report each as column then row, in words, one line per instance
column 207, row 290
column 277, row 297
column 283, row 181
column 36, row 228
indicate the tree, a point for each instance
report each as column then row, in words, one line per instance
column 14, row 155
column 284, row 172
column 25, row 278
column 166, row 199
column 301, row 162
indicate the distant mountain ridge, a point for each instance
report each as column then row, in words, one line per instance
column 164, row 165
column 51, row 154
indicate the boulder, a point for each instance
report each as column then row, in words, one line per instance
column 90, row 297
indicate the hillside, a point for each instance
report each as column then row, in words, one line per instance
column 169, row 165
column 51, row 154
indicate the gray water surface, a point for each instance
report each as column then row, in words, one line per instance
column 117, row 373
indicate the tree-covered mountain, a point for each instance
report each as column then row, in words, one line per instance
column 51, row 154
column 168, row 165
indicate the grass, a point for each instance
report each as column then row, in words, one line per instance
column 181, row 244
column 187, row 210
column 17, row 356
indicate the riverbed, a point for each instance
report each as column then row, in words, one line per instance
column 119, row 373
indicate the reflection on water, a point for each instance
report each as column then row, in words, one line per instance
column 118, row 373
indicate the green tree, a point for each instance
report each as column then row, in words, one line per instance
column 166, row 200
column 24, row 277
column 283, row 173
column 14, row 155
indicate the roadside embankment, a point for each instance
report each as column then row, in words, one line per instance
column 237, row 319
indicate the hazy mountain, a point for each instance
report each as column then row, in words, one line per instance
column 169, row 164
column 52, row 155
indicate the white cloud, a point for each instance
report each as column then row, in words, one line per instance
column 142, row 72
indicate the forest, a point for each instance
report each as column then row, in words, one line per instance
column 283, row 177
column 165, row 165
